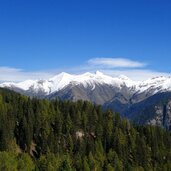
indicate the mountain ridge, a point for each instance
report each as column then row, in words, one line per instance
column 62, row 80
column 91, row 86
column 120, row 94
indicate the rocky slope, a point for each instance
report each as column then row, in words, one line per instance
column 130, row 98
column 91, row 87
column 155, row 110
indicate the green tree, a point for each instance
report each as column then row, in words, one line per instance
column 25, row 163
column 85, row 165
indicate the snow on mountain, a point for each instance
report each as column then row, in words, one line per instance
column 91, row 80
column 61, row 80
column 128, row 82
column 86, row 79
column 158, row 84
column 35, row 85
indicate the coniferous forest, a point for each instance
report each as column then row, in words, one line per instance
column 75, row 136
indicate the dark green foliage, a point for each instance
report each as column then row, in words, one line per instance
column 69, row 136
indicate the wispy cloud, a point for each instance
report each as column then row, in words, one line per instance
column 14, row 74
column 115, row 63
column 137, row 74
column 112, row 66
column 135, row 70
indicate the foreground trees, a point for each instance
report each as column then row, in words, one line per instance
column 68, row 136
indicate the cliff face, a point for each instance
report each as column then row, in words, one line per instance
column 162, row 116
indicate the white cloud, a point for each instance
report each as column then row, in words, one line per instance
column 135, row 70
column 115, row 63
column 14, row 74
column 136, row 74
column 110, row 66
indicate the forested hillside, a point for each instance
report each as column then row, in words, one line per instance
column 69, row 136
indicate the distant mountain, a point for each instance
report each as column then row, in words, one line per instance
column 130, row 98
column 98, row 88
column 89, row 83
column 155, row 110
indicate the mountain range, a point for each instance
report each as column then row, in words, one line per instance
column 144, row 102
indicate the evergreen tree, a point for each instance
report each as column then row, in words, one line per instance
column 38, row 134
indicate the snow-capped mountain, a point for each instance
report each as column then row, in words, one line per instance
column 157, row 84
column 120, row 94
column 90, row 81
column 62, row 80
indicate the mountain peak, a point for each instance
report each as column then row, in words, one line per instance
column 63, row 79
column 124, row 77
column 60, row 76
column 99, row 73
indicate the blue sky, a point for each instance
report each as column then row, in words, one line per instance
column 39, row 38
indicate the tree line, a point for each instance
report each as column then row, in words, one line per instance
column 38, row 134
